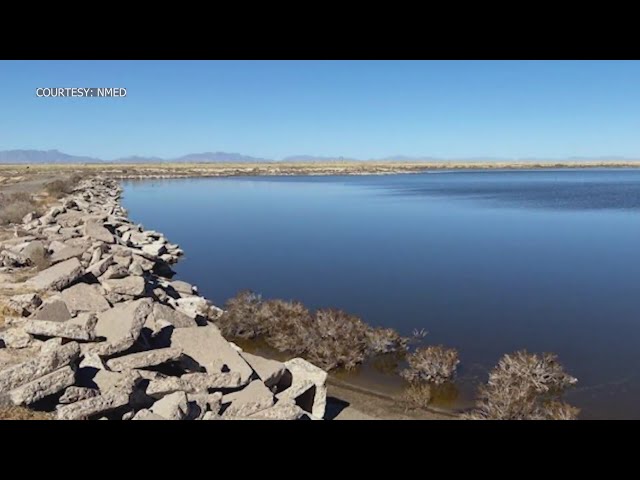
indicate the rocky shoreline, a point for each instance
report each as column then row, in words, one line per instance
column 100, row 331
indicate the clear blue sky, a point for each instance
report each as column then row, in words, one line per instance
column 363, row 109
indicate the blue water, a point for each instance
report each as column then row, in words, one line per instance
column 487, row 261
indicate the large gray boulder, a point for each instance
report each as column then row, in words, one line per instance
column 170, row 315
column 24, row 304
column 251, row 399
column 193, row 383
column 66, row 253
column 42, row 387
column 91, row 407
column 132, row 285
column 269, row 371
column 68, row 330
column 172, row 407
column 57, row 277
column 308, row 386
column 53, row 310
column 52, row 357
column 96, row 231
column 121, row 325
column 83, row 297
column 149, row 358
column 208, row 347
column 75, row 394
column 101, row 266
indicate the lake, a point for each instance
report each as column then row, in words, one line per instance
column 488, row 262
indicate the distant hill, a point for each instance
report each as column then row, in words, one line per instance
column 42, row 156
column 56, row 156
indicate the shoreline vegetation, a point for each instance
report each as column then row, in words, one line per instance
column 521, row 386
column 8, row 172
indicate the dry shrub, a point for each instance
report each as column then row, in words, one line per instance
column 526, row 386
column 337, row 340
column 418, row 395
column 386, row 340
column 288, row 326
column 330, row 338
column 59, row 188
column 434, row 364
column 23, row 413
column 15, row 206
column 241, row 318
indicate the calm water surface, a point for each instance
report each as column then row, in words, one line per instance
column 487, row 261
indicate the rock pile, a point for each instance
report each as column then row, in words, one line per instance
column 105, row 333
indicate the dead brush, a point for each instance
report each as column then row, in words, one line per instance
column 15, row 206
column 418, row 395
column 525, row 386
column 433, row 364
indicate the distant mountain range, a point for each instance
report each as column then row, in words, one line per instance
column 56, row 156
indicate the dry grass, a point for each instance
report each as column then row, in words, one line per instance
column 22, row 413
column 526, row 386
column 433, row 364
column 15, row 206
column 418, row 395
column 59, row 188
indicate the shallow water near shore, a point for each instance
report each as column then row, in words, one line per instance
column 488, row 262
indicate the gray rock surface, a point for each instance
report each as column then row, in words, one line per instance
column 149, row 358
column 269, row 371
column 42, row 387
column 58, row 276
column 172, row 407
column 209, row 348
column 132, row 285
column 68, row 330
column 251, row 399
column 53, row 309
column 83, row 297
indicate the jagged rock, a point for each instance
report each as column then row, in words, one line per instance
column 57, row 277
column 42, row 387
column 66, row 253
column 86, row 320
column 34, row 251
column 172, row 407
column 155, row 249
column 182, row 287
column 211, row 416
column 52, row 357
column 24, row 304
column 53, row 309
column 91, row 407
column 144, row 359
column 96, row 230
column 145, row 414
column 115, row 272
column 70, row 219
column 308, row 386
column 209, row 348
column 75, row 394
column 146, row 264
column 101, row 266
column 193, row 383
column 251, row 399
column 29, row 217
column 55, row 229
column 201, row 403
column 123, row 260
column 172, row 316
column 106, row 381
column 121, row 325
column 192, row 306
column 132, row 285
column 68, row 330
column 283, row 410
column 16, row 338
column 269, row 371
column 10, row 259
column 83, row 297
column 136, row 269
